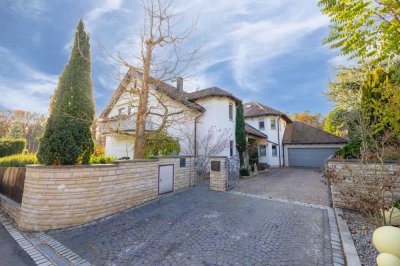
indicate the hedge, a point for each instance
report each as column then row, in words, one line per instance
column 101, row 159
column 11, row 146
column 18, row 160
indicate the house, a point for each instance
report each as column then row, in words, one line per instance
column 290, row 143
column 271, row 123
column 205, row 120
column 206, row 117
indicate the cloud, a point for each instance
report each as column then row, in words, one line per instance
column 102, row 8
column 29, row 9
column 23, row 87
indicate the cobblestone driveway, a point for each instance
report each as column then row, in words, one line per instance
column 299, row 184
column 202, row 227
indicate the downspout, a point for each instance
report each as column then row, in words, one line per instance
column 279, row 143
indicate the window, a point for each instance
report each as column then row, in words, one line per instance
column 230, row 111
column 263, row 150
column 274, row 150
column 120, row 111
column 261, row 124
column 231, row 148
column 273, row 123
column 129, row 110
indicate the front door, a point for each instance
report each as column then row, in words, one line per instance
column 165, row 178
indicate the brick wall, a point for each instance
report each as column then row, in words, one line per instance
column 63, row 196
column 10, row 207
column 218, row 178
column 351, row 171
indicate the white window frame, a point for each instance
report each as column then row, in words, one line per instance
column 276, row 150
column 265, row 150
column 273, row 123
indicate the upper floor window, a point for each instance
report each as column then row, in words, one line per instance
column 273, row 123
column 274, row 150
column 263, row 150
column 230, row 111
column 261, row 124
column 231, row 148
column 129, row 110
column 121, row 111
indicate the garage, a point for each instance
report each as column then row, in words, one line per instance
column 308, row 146
column 309, row 157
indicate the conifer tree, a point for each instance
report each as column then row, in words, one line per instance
column 240, row 133
column 67, row 138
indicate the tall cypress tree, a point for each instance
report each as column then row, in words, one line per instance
column 240, row 133
column 67, row 138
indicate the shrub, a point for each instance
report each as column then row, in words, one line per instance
column 351, row 150
column 11, row 146
column 18, row 160
column 101, row 159
column 244, row 172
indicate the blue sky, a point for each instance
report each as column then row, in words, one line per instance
column 260, row 50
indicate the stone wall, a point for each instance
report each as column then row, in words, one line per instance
column 64, row 196
column 350, row 172
column 218, row 173
column 10, row 207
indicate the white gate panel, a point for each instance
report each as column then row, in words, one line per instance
column 165, row 178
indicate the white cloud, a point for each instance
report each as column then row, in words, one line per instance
column 32, row 9
column 100, row 10
column 23, row 87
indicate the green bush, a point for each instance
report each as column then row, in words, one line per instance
column 11, row 146
column 244, row 172
column 101, row 159
column 18, row 160
column 351, row 150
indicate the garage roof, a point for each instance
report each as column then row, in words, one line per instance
column 301, row 133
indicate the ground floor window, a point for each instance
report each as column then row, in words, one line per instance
column 263, row 150
column 231, row 148
column 274, row 150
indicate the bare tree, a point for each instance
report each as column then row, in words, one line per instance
column 161, row 60
column 204, row 147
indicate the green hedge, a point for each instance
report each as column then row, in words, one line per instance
column 101, row 159
column 350, row 151
column 18, row 160
column 11, row 146
column 244, row 172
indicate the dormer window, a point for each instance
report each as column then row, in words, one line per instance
column 231, row 112
column 121, row 111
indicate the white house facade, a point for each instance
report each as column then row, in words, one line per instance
column 206, row 119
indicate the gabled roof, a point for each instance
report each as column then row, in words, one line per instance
column 163, row 87
column 301, row 133
column 252, row 109
column 209, row 92
column 253, row 131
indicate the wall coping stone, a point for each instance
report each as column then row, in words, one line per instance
column 352, row 161
column 10, row 201
column 42, row 166
column 218, row 157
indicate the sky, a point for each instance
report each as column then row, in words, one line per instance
column 260, row 50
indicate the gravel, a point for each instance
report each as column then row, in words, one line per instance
column 361, row 231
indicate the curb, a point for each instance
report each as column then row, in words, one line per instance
column 43, row 249
column 349, row 250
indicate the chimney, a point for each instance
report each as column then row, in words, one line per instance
column 179, row 84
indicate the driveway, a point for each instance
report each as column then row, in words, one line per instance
column 299, row 184
column 202, row 227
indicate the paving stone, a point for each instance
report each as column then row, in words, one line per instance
column 200, row 227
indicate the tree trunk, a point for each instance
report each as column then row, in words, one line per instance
column 140, row 130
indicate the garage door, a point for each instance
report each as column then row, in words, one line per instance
column 310, row 157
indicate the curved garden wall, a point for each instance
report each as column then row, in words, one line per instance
column 63, row 196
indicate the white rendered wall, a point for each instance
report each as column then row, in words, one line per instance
column 119, row 147
column 178, row 126
column 216, row 117
column 272, row 137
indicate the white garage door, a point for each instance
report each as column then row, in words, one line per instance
column 309, row 157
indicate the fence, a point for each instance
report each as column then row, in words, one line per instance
column 12, row 182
